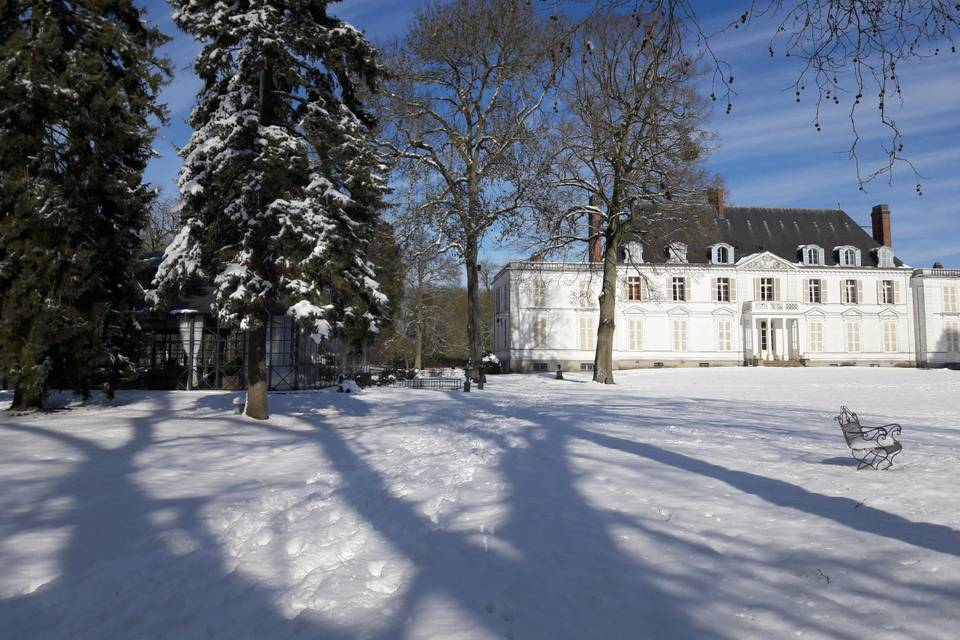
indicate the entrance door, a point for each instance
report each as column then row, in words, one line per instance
column 765, row 353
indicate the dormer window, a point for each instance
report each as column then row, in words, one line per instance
column 633, row 253
column 721, row 253
column 811, row 255
column 848, row 256
column 676, row 252
column 885, row 257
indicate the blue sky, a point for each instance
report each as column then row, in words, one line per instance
column 768, row 149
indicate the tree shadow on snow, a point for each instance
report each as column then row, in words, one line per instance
column 555, row 565
column 135, row 565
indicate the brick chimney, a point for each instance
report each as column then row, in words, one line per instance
column 595, row 253
column 715, row 198
column 881, row 225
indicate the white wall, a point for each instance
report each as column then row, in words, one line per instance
column 933, row 319
column 562, row 305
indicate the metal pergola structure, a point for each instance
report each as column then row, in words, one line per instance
column 191, row 351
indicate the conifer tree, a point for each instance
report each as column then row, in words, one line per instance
column 78, row 96
column 281, row 182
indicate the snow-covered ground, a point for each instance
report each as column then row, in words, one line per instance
column 677, row 504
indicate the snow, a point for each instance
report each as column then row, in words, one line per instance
column 697, row 503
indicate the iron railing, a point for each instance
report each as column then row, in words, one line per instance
column 433, row 384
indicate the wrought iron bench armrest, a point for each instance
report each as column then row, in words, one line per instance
column 881, row 433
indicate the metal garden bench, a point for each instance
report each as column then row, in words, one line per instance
column 873, row 447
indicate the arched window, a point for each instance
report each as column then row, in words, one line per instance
column 721, row 253
column 676, row 252
column 848, row 256
column 813, row 255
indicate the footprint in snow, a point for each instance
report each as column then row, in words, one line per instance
column 294, row 546
column 386, row 585
column 375, row 567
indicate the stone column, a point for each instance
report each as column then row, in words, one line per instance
column 801, row 337
column 783, row 337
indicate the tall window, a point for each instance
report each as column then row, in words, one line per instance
column 723, row 289
column 850, row 292
column 886, row 292
column 539, row 333
column 588, row 334
column 633, row 288
column 767, row 289
column 813, row 256
column 950, row 300
column 952, row 335
column 724, row 335
column 635, row 326
column 815, row 291
column 889, row 335
column 540, row 294
column 679, row 289
column 679, row 335
column 815, row 335
column 853, row 336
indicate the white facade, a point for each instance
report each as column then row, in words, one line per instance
column 936, row 305
column 761, row 309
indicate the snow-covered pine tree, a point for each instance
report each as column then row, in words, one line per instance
column 78, row 96
column 281, row 182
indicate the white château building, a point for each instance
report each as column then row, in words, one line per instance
column 744, row 285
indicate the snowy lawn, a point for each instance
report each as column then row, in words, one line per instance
column 700, row 503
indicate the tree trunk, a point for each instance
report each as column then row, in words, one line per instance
column 24, row 399
column 30, row 390
column 257, row 382
column 473, row 306
column 418, row 345
column 257, row 379
column 603, row 359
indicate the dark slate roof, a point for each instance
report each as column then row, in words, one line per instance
column 756, row 229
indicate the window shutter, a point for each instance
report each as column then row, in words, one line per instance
column 879, row 292
column 823, row 292
column 896, row 293
column 713, row 289
column 686, row 289
column 733, row 289
column 625, row 290
column 806, row 290
column 949, row 299
column 776, row 289
column 859, row 291
column 756, row 288
column 644, row 291
column 669, row 288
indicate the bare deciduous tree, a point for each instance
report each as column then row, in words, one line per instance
column 427, row 270
column 162, row 225
column 469, row 83
column 849, row 52
column 627, row 148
